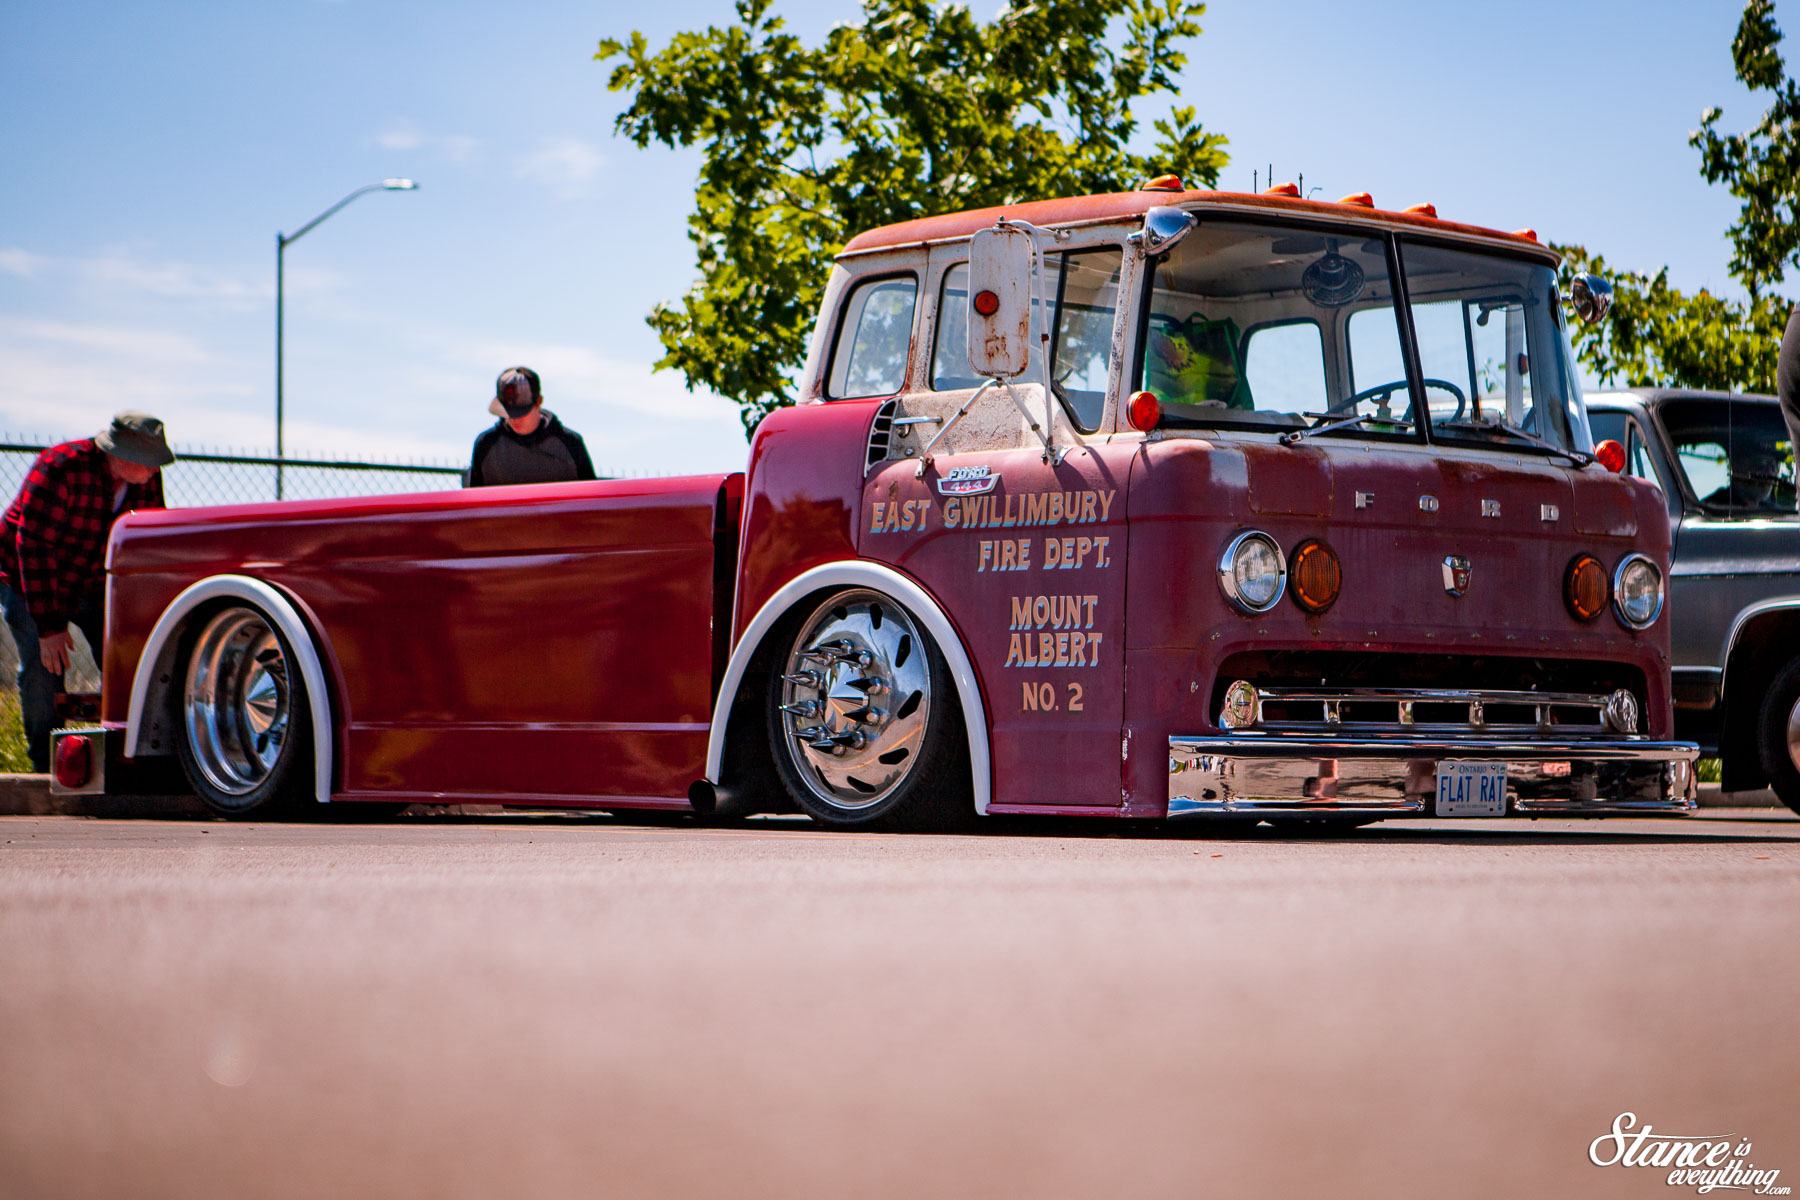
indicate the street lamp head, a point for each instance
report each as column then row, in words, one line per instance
column 398, row 185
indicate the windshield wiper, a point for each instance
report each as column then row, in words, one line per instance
column 1577, row 457
column 1300, row 435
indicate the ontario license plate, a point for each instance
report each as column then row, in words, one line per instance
column 1471, row 789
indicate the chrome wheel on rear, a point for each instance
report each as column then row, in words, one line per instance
column 856, row 703
column 1793, row 735
column 237, row 705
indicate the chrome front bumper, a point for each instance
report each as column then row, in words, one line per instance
column 1397, row 776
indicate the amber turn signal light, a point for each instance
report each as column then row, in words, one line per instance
column 1585, row 588
column 1144, row 411
column 1315, row 576
column 1610, row 455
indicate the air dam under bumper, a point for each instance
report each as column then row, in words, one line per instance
column 1397, row 777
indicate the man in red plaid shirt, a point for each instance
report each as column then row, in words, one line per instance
column 53, row 553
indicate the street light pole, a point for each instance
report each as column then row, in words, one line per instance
column 281, row 244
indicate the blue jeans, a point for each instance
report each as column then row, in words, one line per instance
column 37, row 686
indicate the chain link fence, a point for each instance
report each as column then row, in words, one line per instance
column 197, row 478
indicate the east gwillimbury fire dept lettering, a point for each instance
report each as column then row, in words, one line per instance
column 1033, row 508
column 991, row 511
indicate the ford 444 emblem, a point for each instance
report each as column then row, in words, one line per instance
column 967, row 481
column 1456, row 574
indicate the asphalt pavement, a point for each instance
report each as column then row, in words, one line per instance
column 576, row 1006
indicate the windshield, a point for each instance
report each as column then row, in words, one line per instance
column 1492, row 348
column 1737, row 457
column 1271, row 327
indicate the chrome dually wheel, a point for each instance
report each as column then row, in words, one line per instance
column 864, row 719
column 243, row 713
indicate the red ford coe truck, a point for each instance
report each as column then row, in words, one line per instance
column 1166, row 503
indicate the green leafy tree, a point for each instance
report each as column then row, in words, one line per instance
column 916, row 110
column 1762, row 167
column 1658, row 336
column 1655, row 335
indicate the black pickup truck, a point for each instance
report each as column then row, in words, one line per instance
column 1726, row 465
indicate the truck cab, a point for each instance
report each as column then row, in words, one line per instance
column 1164, row 503
column 1302, row 515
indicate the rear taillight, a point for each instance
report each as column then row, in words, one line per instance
column 74, row 761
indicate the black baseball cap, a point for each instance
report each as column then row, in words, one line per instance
column 516, row 392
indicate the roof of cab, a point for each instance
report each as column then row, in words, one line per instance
column 1123, row 205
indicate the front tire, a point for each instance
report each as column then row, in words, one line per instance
column 864, row 725
column 246, row 736
column 1778, row 735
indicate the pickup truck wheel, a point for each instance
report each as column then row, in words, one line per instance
column 246, row 731
column 864, row 723
column 1778, row 740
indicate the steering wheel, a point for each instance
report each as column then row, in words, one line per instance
column 1382, row 391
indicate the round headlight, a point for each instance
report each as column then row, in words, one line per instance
column 1584, row 590
column 1637, row 591
column 1252, row 572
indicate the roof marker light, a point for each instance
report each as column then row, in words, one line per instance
column 1283, row 189
column 1423, row 210
column 1163, row 183
column 1529, row 235
column 1359, row 198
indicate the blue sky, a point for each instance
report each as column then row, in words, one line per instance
column 153, row 151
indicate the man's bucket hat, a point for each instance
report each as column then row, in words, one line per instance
column 137, row 438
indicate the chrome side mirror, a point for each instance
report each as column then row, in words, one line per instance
column 1163, row 227
column 1591, row 297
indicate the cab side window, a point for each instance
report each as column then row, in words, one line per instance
column 1084, row 285
column 874, row 336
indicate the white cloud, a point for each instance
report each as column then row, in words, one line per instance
column 459, row 148
column 405, row 135
column 61, row 379
column 22, row 262
column 564, row 165
column 400, row 137
column 177, row 280
column 122, row 270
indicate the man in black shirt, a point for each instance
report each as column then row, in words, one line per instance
column 527, row 444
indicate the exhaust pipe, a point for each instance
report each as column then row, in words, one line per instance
column 714, row 800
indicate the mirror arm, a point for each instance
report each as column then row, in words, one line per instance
column 1051, row 454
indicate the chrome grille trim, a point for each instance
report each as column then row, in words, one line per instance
column 1398, row 710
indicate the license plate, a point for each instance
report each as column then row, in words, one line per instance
column 1471, row 789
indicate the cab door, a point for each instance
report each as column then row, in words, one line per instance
column 1026, row 555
